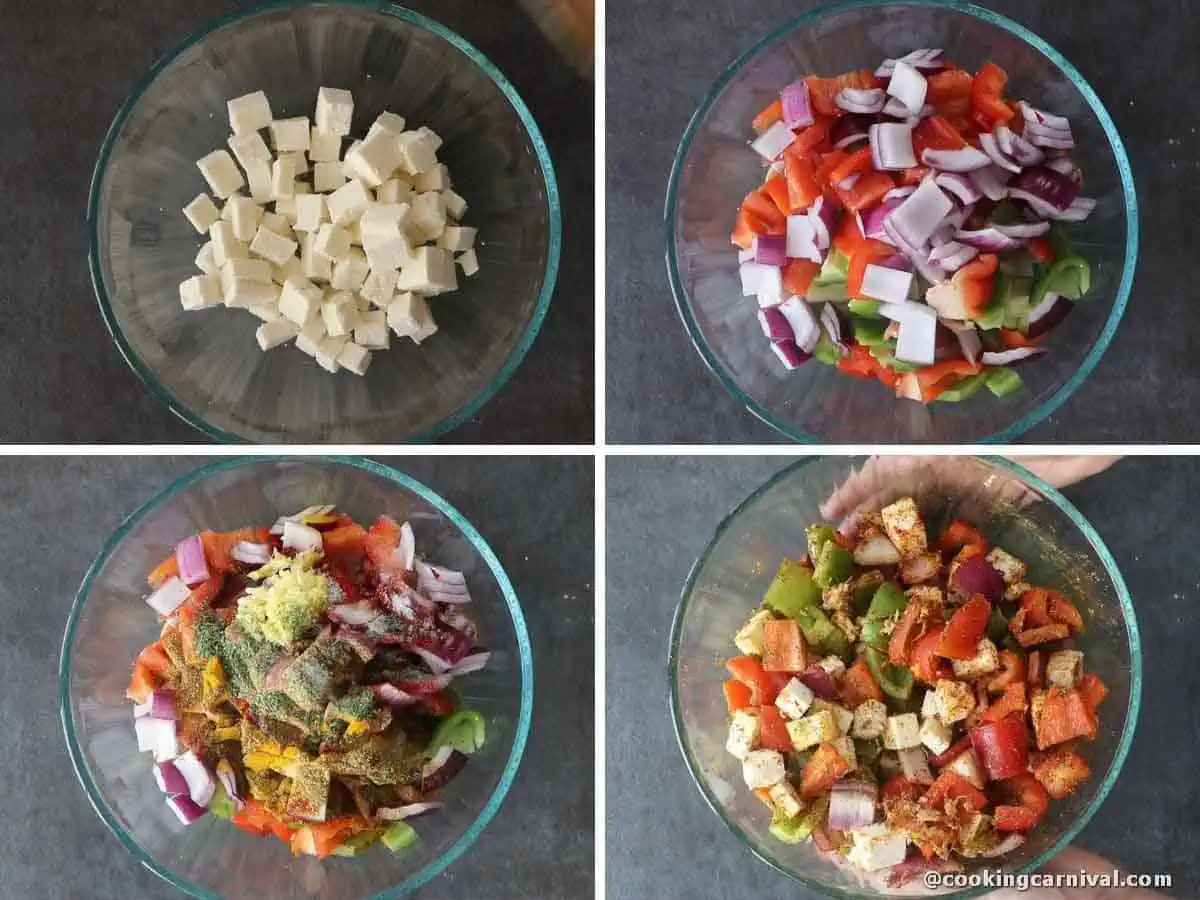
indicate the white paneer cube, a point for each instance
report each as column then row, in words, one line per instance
column 870, row 718
column 968, row 766
column 327, row 176
column 389, row 123
column 200, row 292
column 393, row 191
column 914, row 765
column 202, row 213
column 310, row 212
column 430, row 272
column 785, row 799
column 1017, row 590
column 418, row 152
column 325, row 148
column 457, row 238
column 335, row 111
column 348, row 202
column 267, row 312
column 763, row 769
column 901, row 732
column 428, row 134
column 795, row 699
column 308, row 341
column 929, row 705
column 749, row 638
column 379, row 287
column 435, row 179
column 252, row 269
column 272, row 246
column 248, row 293
column 455, row 206
column 813, row 729
column 1064, row 668
column 354, row 358
column 833, row 666
column 300, row 159
column 332, row 242
column 245, row 215
column 286, row 206
column 384, row 219
column 312, row 265
column 877, row 847
column 843, row 717
column 300, row 188
column 248, row 148
column 427, row 217
column 339, row 314
column 387, row 253
column 374, row 160
column 409, row 316
column 955, row 700
column 205, row 261
column 225, row 244
column 300, row 301
column 277, row 331
column 258, row 175
column 469, row 262
column 744, row 729
column 349, row 150
column 371, row 331
column 985, row 661
column 1010, row 568
column 350, row 273
column 221, row 173
column 290, row 135
column 904, row 527
column 249, row 112
column 283, row 179
column 277, row 223
column 935, row 734
column 227, row 207
column 844, row 745
column 328, row 351
column 281, row 273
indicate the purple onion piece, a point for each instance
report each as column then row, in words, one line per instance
column 186, row 809
column 789, row 354
column 438, row 772
column 774, row 326
column 992, row 149
column 797, row 105
column 968, row 159
column 1054, row 189
column 1012, row 357
column 959, row 186
column 1050, row 312
column 989, row 239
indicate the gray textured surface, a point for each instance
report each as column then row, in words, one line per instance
column 58, row 512
column 68, row 65
column 664, row 841
column 662, row 59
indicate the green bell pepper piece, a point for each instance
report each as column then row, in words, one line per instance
column 797, row 830
column 1070, row 276
column 826, row 351
column 1060, row 242
column 357, row 843
column 866, row 308
column 463, row 730
column 399, row 835
column 869, row 332
column 818, row 536
column 866, row 751
column 792, row 591
column 1003, row 382
column 834, row 270
column 894, row 680
column 864, row 590
column 221, row 805
column 963, row 388
column 886, row 354
column 888, row 601
column 835, row 565
column 997, row 626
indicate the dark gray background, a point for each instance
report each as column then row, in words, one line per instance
column 67, row 65
column 663, row 840
column 56, row 514
column 663, row 55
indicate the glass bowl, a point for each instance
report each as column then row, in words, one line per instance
column 206, row 366
column 110, row 623
column 714, row 169
column 1016, row 510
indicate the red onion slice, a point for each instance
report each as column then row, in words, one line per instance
column 789, row 354
column 908, row 86
column 411, row 811
column 806, row 331
column 442, row 585
column 851, row 805
column 390, row 695
column 406, row 548
column 918, row 256
column 899, row 193
column 968, row 340
column 819, row 682
column 991, row 181
column 992, row 149
column 168, row 779
column 1046, row 186
column 426, row 685
column 1041, row 117
column 959, row 259
column 976, row 575
column 251, row 554
column 833, row 327
column 801, row 241
column 169, row 597
column 886, row 284
column 277, row 528
column 1010, row 843
column 193, row 564
column 473, row 663
column 989, row 239
column 446, row 763
column 960, row 186
column 300, row 537
column 914, row 765
column 459, row 621
column 774, row 326
column 770, row 249
column 871, row 223
column 157, row 736
column 436, row 664
column 772, row 142
column 200, row 783
column 824, row 220
column 186, row 809
column 228, row 781
column 948, row 249
column 1024, row 230
column 968, row 159
column 891, row 146
column 159, row 705
column 353, row 613
column 1055, row 140
column 927, row 60
column 849, row 130
column 1012, row 357
column 1066, row 166
column 920, row 214
column 1015, row 146
column 797, row 105
column 1080, row 209
column 864, row 101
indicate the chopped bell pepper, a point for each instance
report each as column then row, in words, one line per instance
column 987, row 94
column 859, row 685
column 1064, row 716
column 783, row 648
column 1002, row 745
column 825, row 767
column 1029, row 803
column 834, row 566
column 965, row 629
column 949, row 785
column 894, row 680
column 792, row 590
column 772, row 730
column 924, row 660
column 738, row 695
column 1060, row 771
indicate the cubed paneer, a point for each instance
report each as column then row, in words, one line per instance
column 379, row 287
column 904, row 527
column 877, row 847
column 785, row 799
column 914, row 765
column 967, row 765
column 313, row 265
column 200, row 292
column 749, row 638
column 389, row 123
column 843, row 718
column 844, row 745
column 1036, row 700
column 435, row 179
column 901, row 732
column 258, row 175
column 300, row 301
column 929, row 705
column 339, row 314
column 348, row 202
column 328, row 351
column 430, row 272
column 922, row 568
column 272, row 246
column 1011, row 569
column 985, row 661
column 285, row 270
column 205, row 261
column 245, row 216
column 308, row 341
column 354, row 358
column 468, row 262
column 249, row 148
column 926, row 594
column 1017, row 590
column 372, row 331
column 374, row 159
column 1064, row 668
column 870, row 719
column 225, row 245
column 795, row 699
column 834, row 666
column 393, row 191
column 310, row 212
column 221, row 173
column 427, row 217
column 385, row 219
column 456, row 206
column 418, row 153
column 457, row 238
column 290, row 135
column 332, row 242
column 350, row 272
column 955, row 700
column 935, row 734
column 763, row 768
column 249, row 113
column 813, row 729
column 276, row 332
column 283, row 180
column 251, row 269
column 744, row 729
column 325, row 148
column 202, row 213
column 328, row 176
column 409, row 316
column 335, row 111
column 387, row 252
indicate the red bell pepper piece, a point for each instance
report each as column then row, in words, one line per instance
column 974, row 282
column 848, row 237
column 987, row 95
column 746, row 227
column 798, row 275
column 953, row 752
column 1002, row 746
column 1012, row 701
column 1093, row 690
column 772, row 730
column 1029, row 803
column 1036, row 676
column 814, row 138
column 760, row 204
column 768, row 117
column 776, row 187
column 1041, row 250
column 899, row 787
column 856, row 163
column 965, row 629
column 823, row 91
column 936, row 133
column 1034, row 611
column 1064, row 612
column 783, row 647
column 1060, row 771
column 868, row 191
column 824, row 768
column 949, row 785
column 749, row 671
column 1063, row 717
column 949, row 93
column 960, row 534
column 801, row 175
column 926, row 664
column 859, row 685
column 1012, row 671
column 738, row 695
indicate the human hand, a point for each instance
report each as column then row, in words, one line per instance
column 1074, row 860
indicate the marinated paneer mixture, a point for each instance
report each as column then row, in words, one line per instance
column 910, row 227
column 303, row 683
column 906, row 705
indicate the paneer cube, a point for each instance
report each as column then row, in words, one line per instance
column 927, row 595
column 763, row 769
column 379, row 287
column 469, row 263
column 258, row 175
column 249, row 148
column 408, row 315
column 350, row 272
column 876, row 847
column 283, row 179
column 252, row 269
column 870, row 719
column 795, row 699
column 418, row 152
column 271, row 246
column 272, row 334
column 834, row 666
column 389, row 123
column 202, row 213
column 200, row 292
column 922, row 568
column 955, row 700
column 277, row 223
column 785, row 798
column 245, row 215
column 374, row 160
column 749, row 638
column 935, row 735
column 247, row 293
column 393, row 191
column 354, row 358
column 371, row 331
column 914, row 765
column 1064, row 668
column 985, row 661
column 328, row 352
column 335, row 111
column 843, row 718
column 225, row 245
column 455, row 206
column 813, row 729
column 205, row 261
column 325, row 148
column 308, row 341
column 744, row 729
column 300, row 159
column 430, row 272
column 348, row 202
column 281, row 273
column 902, row 732
column 249, row 112
column 387, row 253
column 328, row 176
column 427, row 217
column 339, row 314
column 844, row 745
column 929, row 705
column 904, row 527
column 435, row 179
column 310, row 212
column 221, row 173
column 332, row 242
column 290, row 135
column 1011, row 569
column 300, row 301
column 457, row 238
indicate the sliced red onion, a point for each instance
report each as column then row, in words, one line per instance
column 806, row 331
column 960, row 186
column 228, row 780
column 991, row 181
column 426, row 684
column 1023, row 230
column 1066, row 166
column 833, row 327
column 411, row 811
column 1080, row 209
column 390, row 695
column 916, row 218
column 849, row 130
column 968, row 159
column 918, row 256
column 915, row 119
column 860, row 101
column 770, row 249
column 895, row 108
column 797, row 105
column 186, row 809
column 472, row 663
column 891, row 146
column 300, row 537
column 169, row 597
column 406, row 548
column 193, row 564
column 1045, row 186
column 968, row 341
column 745, row 255
column 914, row 765
column 251, row 554
column 849, row 181
column 409, row 603
column 945, row 250
column 169, row 779
column 801, row 240
column 760, row 280
column 774, row 325
column 819, row 682
column 917, row 340
column 789, row 354
column 990, row 239
column 975, row 575
column 1008, row 844
column 436, row 664
column 886, row 284
column 1045, row 136
column 899, row 193
column 958, row 260
column 870, row 224
column 353, row 613
column 1041, row 117
column 446, row 763
column 200, row 782
column 919, row 59
column 159, row 705
column 772, row 142
column 459, row 621
column 1013, row 356
column 824, row 219
column 442, row 585
column 314, row 511
column 851, row 805
column 908, row 86
column 1015, row 146
column 992, row 149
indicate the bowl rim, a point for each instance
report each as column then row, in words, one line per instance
column 1065, row 390
column 508, row 774
column 393, row 10
column 1131, row 716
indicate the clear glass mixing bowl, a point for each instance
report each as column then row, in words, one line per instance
column 714, row 168
column 206, row 366
column 1016, row 510
column 110, row 623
